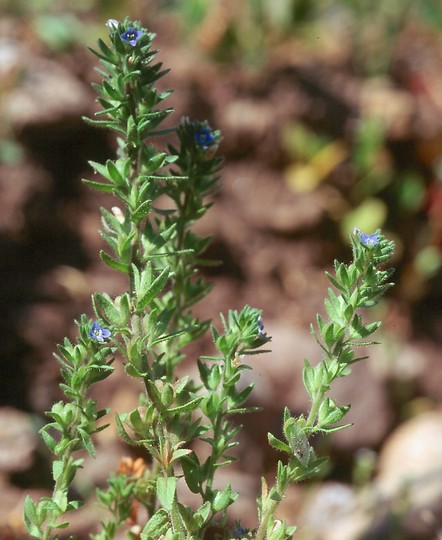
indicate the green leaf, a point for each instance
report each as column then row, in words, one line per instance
column 336, row 428
column 328, row 334
column 114, row 174
column 202, row 515
column 105, row 309
column 187, row 407
column 141, row 211
column 99, row 168
column 50, row 442
column 277, row 444
column 360, row 331
column 178, row 454
column 112, row 92
column 342, row 275
column 136, row 422
column 330, row 413
column 63, row 525
column 113, row 263
column 132, row 371
column 308, row 376
column 31, row 519
column 154, row 163
column 334, row 307
column 60, row 499
column 157, row 525
column 107, row 53
column 87, row 441
column 57, row 469
column 105, row 124
column 155, row 287
column 99, row 186
column 74, row 505
column 223, row 499
column 122, row 432
column 166, row 489
column 191, row 469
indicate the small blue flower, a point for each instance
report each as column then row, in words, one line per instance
column 261, row 332
column 369, row 240
column 240, row 532
column 205, row 137
column 98, row 332
column 131, row 36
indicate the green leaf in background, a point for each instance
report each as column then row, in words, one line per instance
column 368, row 216
column 59, row 31
column 411, row 192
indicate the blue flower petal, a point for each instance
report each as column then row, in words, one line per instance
column 205, row 137
column 369, row 240
column 131, row 36
column 99, row 333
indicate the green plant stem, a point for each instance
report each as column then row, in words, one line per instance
column 319, row 397
column 180, row 302
column 61, row 484
column 270, row 506
column 215, row 455
column 59, row 487
column 217, row 429
column 262, row 529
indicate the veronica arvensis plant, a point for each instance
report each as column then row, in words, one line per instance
column 159, row 195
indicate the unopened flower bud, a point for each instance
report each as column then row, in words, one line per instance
column 112, row 24
column 118, row 214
